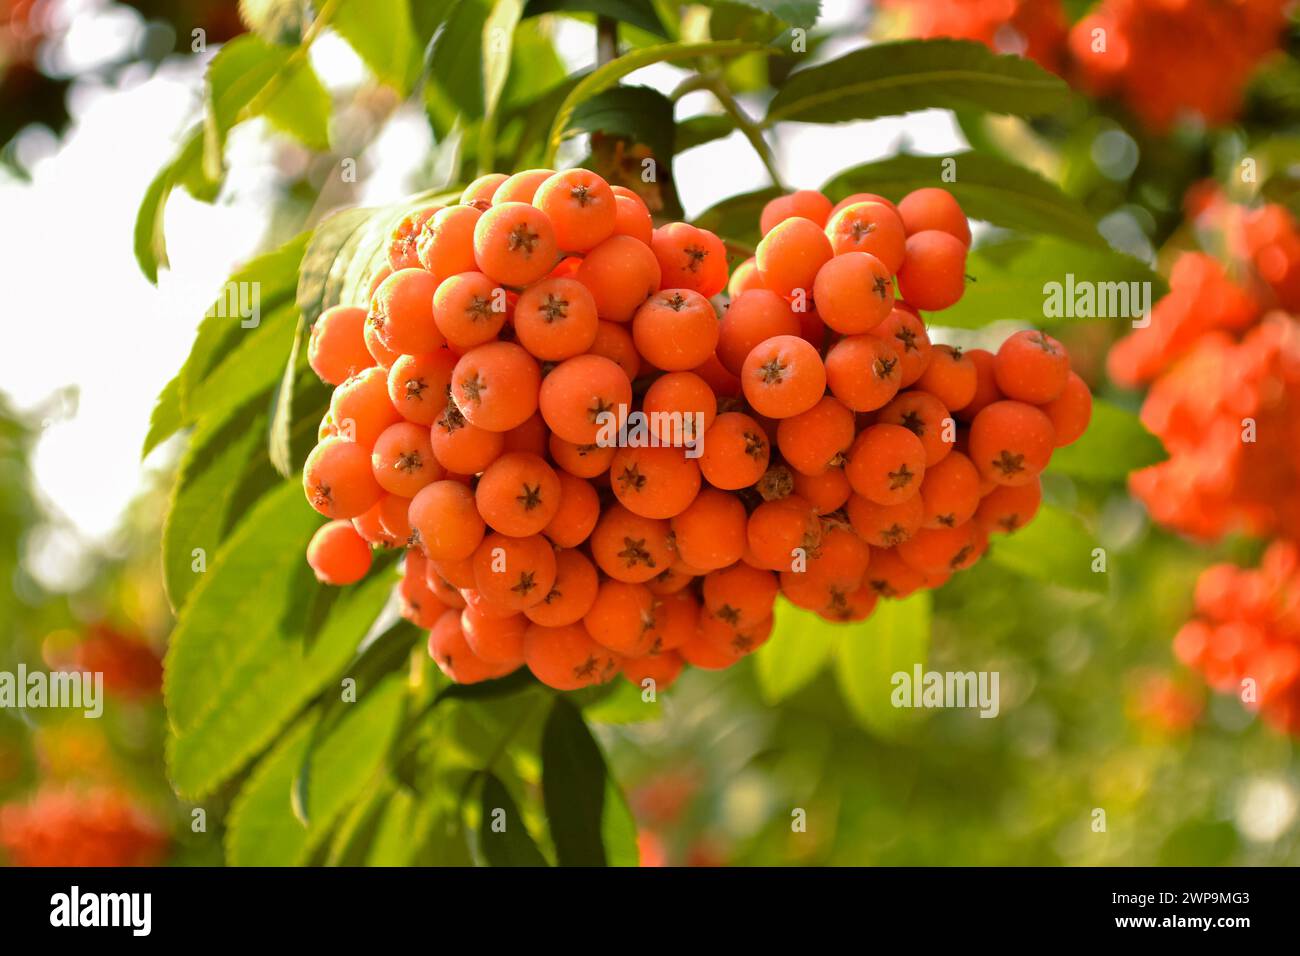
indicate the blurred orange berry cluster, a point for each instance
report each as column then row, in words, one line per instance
column 66, row 827
column 1145, row 53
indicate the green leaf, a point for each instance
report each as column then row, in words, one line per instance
column 987, row 187
column 383, row 35
column 280, row 21
column 252, row 367
column 1013, row 279
column 165, row 419
column 573, row 787
column 456, row 60
column 737, row 217
column 498, row 47
column 638, row 13
column 607, row 76
column 280, row 440
column 702, row 129
column 196, row 513
column 887, row 79
column 149, row 240
column 1115, row 444
column 618, row 828
column 1055, row 548
column 895, row 638
column 263, row 830
column 800, row 645
column 797, row 13
column 239, row 665
column 502, row 837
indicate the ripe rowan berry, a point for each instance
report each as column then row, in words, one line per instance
column 740, row 595
column 826, row 492
column 419, row 385
column 856, row 198
column 932, row 208
column 986, row 386
column 1071, row 411
column 337, row 346
column 480, row 191
column 805, row 203
column 521, row 187
column 886, row 464
column 675, row 330
column 463, row 448
column 469, row 309
column 839, row 560
column 870, row 227
column 566, row 658
column 513, row 574
column 402, row 243
column 629, row 547
column 933, row 274
column 447, row 523
column 1011, row 442
column 582, row 461
column 690, row 258
column 622, row 617
column 790, row 256
column 555, row 319
column 654, row 482
column 904, row 330
column 614, row 342
column 581, row 207
column 383, row 356
column 854, row 292
column 661, row 670
column 783, row 376
column 885, row 526
column 451, row 652
column 495, row 386
column 402, row 459
column 752, row 318
column 338, row 480
column 371, row 527
column 817, row 439
column 1009, row 508
column 951, row 377
column 783, row 532
column 584, row 398
column 936, row 550
column 337, row 554
column 402, row 312
column 950, row 492
column 577, row 514
column 744, row 278
column 633, row 216
column 680, row 407
column 889, row 576
column 518, row 494
column 572, row 594
column 492, row 639
column 514, row 243
column 394, row 519
column 1031, row 367
column 735, row 452
column 446, row 243
column 925, row 417
column 620, row 274
column 710, row 533
column 864, row 372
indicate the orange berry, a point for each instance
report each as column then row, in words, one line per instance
column 1009, row 508
column 723, row 383
column 576, row 516
column 933, row 274
column 925, row 417
column 582, row 461
column 441, row 588
column 817, row 439
column 660, row 669
column 521, row 187
column 870, row 227
column 933, row 208
column 936, row 550
column 418, row 385
column 518, row 494
column 402, row 243
column 621, row 617
column 469, row 309
column 566, row 658
column 495, row 386
column 614, row 342
column 383, row 356
column 886, row 464
column 740, row 595
column 338, row 480
column 480, row 191
column 863, row 372
column 514, row 243
column 370, row 526
column 403, row 460
column 513, row 574
column 461, row 447
column 361, row 408
column 804, row 203
column 950, row 492
column 583, row 397
column 752, row 318
column 629, row 547
column 906, row 332
column 446, row 244
column 951, row 377
column 394, row 518
column 446, row 520
column 783, row 532
column 735, row 452
column 744, row 278
column 531, row 436
column 1071, row 411
column 337, row 554
column 581, row 207
column 1011, row 442
column 885, row 526
column 337, row 347
column 783, row 376
column 675, row 330
column 620, row 274
column 854, row 292
column 680, row 407
column 856, row 198
column 555, row 319
column 402, row 312
column 889, row 576
column 710, row 533
column 840, row 558
column 1031, row 367
column 495, row 640
column 690, row 258
column 654, row 482
column 451, row 652
column 459, row 573
column 986, row 386
column 633, row 217
column 790, row 256
column 826, row 492
column 572, row 594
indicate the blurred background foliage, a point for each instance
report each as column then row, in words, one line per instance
column 1095, row 716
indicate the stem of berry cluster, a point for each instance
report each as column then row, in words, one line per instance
column 716, row 85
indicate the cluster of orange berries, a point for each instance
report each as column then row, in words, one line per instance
column 1147, row 53
column 593, row 473
column 1222, row 358
column 65, row 827
column 1246, row 636
column 131, row 667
